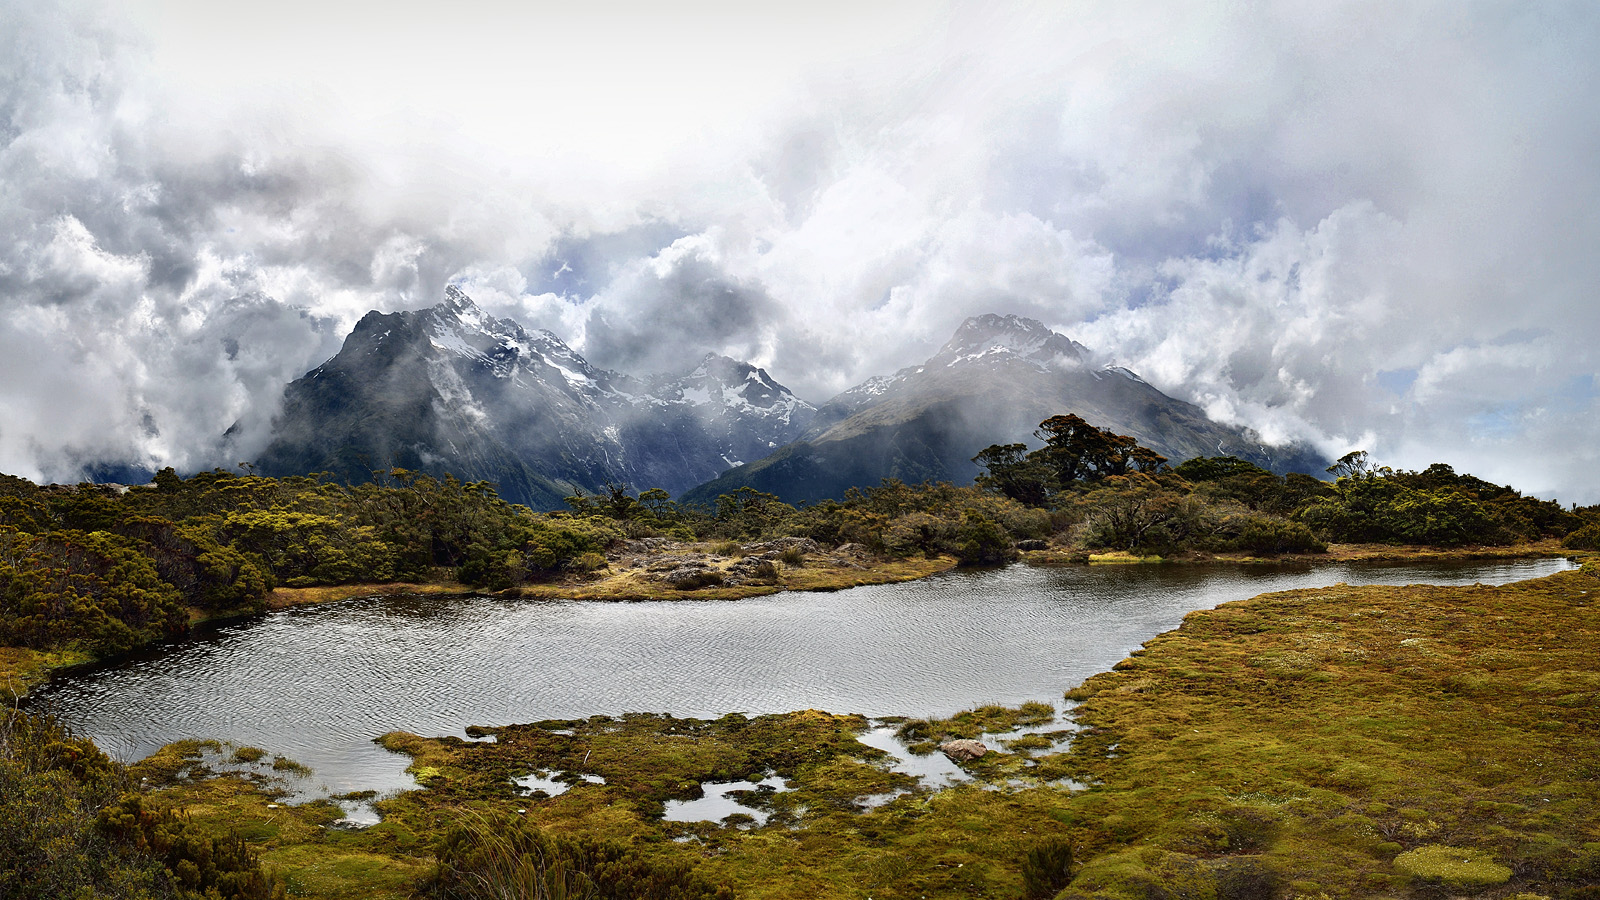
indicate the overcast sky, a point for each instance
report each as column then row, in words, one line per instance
column 1372, row 225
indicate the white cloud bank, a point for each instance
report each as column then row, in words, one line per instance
column 1355, row 224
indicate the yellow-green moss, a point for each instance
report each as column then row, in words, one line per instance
column 1452, row 867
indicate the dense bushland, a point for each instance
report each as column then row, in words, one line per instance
column 70, row 827
column 1109, row 493
column 101, row 569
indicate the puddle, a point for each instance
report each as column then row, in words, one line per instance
column 553, row 783
column 873, row 801
column 357, row 814
column 716, row 805
column 534, row 782
column 283, row 779
column 935, row 770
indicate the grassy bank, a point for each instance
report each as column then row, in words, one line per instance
column 1343, row 742
column 631, row 580
column 22, row 669
column 1325, row 737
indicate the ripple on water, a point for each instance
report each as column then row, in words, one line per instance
column 317, row 684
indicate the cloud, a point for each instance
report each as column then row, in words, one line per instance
column 1350, row 224
column 662, row 314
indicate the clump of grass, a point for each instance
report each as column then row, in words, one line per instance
column 1029, row 742
column 248, row 754
column 730, row 549
column 1047, row 867
column 922, row 736
column 289, row 766
column 792, row 557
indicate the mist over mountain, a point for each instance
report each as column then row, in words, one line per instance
column 993, row 383
column 1357, row 226
column 452, row 390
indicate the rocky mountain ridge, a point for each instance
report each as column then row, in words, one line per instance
column 450, row 389
column 995, row 380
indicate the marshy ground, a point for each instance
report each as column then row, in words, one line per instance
column 1340, row 742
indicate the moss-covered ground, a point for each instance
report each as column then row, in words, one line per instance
column 1342, row 742
column 22, row 669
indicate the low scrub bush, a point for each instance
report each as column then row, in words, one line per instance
column 515, row 860
column 1585, row 538
column 68, row 829
column 1047, row 867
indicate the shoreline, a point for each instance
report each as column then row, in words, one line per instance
column 22, row 669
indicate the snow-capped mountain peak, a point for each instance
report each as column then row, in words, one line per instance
column 1014, row 336
column 723, row 385
column 450, row 388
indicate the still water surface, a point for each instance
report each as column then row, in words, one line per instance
column 318, row 683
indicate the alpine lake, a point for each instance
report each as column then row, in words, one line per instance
column 317, row 685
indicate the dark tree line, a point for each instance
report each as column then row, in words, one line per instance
column 1111, row 493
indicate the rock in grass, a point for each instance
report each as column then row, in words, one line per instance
column 689, row 577
column 963, row 750
column 1452, row 867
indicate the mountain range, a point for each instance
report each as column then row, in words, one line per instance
column 993, row 383
column 450, row 389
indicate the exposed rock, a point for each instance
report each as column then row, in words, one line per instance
column 963, row 749
column 687, row 578
column 1033, row 545
column 751, row 570
column 648, row 545
column 679, row 560
column 778, row 545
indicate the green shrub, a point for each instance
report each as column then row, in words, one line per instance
column 587, row 562
column 1585, row 538
column 1270, row 536
column 67, row 830
column 982, row 542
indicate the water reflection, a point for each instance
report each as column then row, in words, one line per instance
column 318, row 684
column 720, row 800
